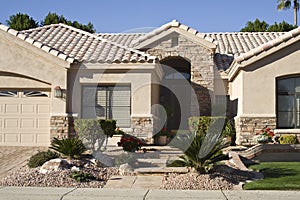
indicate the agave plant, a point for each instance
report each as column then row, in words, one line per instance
column 69, row 147
column 191, row 157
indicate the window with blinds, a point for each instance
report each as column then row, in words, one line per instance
column 107, row 102
column 288, row 102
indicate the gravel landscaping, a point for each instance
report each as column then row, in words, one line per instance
column 26, row 176
column 223, row 177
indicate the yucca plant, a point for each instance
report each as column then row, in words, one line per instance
column 68, row 147
column 191, row 157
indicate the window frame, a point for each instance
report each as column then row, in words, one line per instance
column 294, row 94
column 108, row 110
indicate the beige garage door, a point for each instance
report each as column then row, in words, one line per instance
column 24, row 118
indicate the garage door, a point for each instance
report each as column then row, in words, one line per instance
column 24, row 118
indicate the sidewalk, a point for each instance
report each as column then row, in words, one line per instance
column 36, row 193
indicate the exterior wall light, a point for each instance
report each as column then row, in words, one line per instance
column 58, row 92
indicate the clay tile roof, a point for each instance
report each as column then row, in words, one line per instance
column 283, row 37
column 169, row 25
column 71, row 44
column 232, row 45
column 36, row 43
column 125, row 39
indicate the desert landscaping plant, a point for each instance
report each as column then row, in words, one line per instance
column 40, row 158
column 94, row 132
column 72, row 148
column 191, row 156
column 81, row 176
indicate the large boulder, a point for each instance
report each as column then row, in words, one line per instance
column 54, row 165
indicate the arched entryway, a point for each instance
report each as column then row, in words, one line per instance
column 175, row 92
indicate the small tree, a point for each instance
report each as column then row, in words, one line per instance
column 94, row 132
column 281, row 27
column 90, row 132
column 53, row 18
column 256, row 26
column 21, row 21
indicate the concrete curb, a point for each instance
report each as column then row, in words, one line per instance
column 37, row 193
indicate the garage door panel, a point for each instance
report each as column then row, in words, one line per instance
column 1, row 108
column 11, row 108
column 28, row 108
column 1, row 123
column 11, row 123
column 42, row 109
column 42, row 123
column 28, row 123
column 11, row 138
column 27, row 138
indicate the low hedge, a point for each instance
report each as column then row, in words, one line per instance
column 203, row 124
column 288, row 139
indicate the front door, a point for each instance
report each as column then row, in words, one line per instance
column 175, row 98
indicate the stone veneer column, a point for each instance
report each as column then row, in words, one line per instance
column 143, row 128
column 246, row 128
column 202, row 68
column 61, row 126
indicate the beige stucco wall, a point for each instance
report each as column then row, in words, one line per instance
column 139, row 76
column 31, row 67
column 236, row 92
column 255, row 84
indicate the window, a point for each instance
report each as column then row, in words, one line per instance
column 288, row 102
column 35, row 94
column 107, row 102
column 8, row 93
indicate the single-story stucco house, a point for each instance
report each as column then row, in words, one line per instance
column 51, row 75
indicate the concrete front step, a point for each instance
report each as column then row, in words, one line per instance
column 160, row 170
column 151, row 162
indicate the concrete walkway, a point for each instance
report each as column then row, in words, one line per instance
column 134, row 182
column 35, row 193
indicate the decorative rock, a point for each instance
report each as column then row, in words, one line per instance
column 125, row 169
column 54, row 165
column 76, row 169
column 104, row 159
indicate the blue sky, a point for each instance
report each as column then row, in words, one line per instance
column 125, row 15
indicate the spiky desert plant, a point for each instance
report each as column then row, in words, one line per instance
column 68, row 147
column 192, row 158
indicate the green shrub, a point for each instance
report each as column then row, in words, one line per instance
column 108, row 126
column 288, row 139
column 202, row 125
column 81, row 176
column 69, row 147
column 40, row 158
